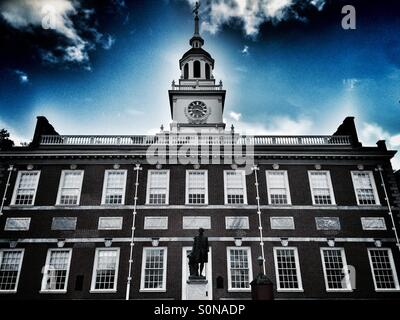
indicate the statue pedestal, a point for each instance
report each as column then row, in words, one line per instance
column 197, row 288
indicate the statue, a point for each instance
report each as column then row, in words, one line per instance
column 198, row 256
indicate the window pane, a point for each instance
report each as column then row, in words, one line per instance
column 9, row 267
column 287, row 269
column 334, row 268
column 154, row 269
column 364, row 189
column 235, row 187
column 158, row 187
column 26, row 188
column 71, row 187
column 320, row 187
column 105, row 269
column 115, row 187
column 57, row 270
column 277, row 188
column 382, row 269
column 196, row 187
column 239, row 268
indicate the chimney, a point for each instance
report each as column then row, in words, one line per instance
column 43, row 127
column 348, row 128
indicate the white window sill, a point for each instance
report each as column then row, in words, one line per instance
column 53, row 291
column 196, row 204
column 290, row 290
column 153, row 290
column 369, row 205
column 103, row 291
column 387, row 290
column 59, row 205
column 18, row 230
column 8, row 291
column 240, row 290
column 339, row 290
column 157, row 204
column 21, row 205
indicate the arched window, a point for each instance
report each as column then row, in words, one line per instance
column 186, row 71
column 196, row 69
column 207, row 71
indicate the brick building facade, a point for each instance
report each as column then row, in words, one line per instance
column 75, row 206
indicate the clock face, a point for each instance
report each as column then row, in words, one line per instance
column 197, row 110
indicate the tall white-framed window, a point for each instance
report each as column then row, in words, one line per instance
column 56, row 270
column 335, row 268
column 383, row 269
column 154, row 269
column 105, row 270
column 114, row 187
column 321, row 187
column 69, row 190
column 278, row 187
column 240, row 271
column 10, row 269
column 25, row 188
column 287, row 269
column 196, row 187
column 157, row 187
column 235, row 187
column 365, row 188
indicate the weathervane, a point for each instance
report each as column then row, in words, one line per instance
column 196, row 8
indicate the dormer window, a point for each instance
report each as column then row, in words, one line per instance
column 196, row 69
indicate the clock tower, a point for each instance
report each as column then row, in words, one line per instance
column 196, row 101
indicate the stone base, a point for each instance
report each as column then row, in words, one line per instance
column 196, row 289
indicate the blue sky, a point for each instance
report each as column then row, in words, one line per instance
column 287, row 65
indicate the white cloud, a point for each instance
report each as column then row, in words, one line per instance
column 235, row 115
column 107, row 41
column 276, row 125
column 22, row 76
column 252, row 13
column 370, row 133
column 245, row 51
column 56, row 16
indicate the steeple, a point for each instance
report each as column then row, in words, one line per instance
column 196, row 41
column 196, row 101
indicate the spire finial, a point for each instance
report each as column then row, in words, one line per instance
column 196, row 18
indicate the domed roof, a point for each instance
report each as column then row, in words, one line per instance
column 196, row 51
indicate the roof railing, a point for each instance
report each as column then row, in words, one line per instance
column 193, row 139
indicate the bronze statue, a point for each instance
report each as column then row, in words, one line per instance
column 198, row 255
